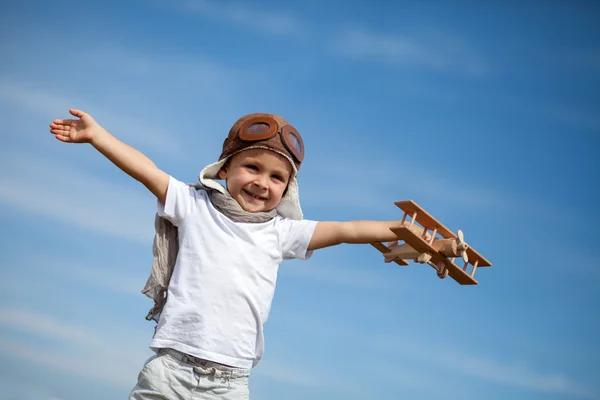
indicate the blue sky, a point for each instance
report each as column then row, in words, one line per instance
column 485, row 114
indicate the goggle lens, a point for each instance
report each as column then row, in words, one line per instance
column 294, row 142
column 258, row 128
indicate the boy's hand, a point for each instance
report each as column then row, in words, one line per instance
column 82, row 130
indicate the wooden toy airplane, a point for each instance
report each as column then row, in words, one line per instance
column 439, row 253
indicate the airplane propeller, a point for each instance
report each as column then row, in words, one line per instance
column 462, row 246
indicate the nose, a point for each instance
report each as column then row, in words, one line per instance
column 261, row 181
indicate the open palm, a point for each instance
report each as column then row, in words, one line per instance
column 81, row 130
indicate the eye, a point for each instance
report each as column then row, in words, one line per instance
column 252, row 167
column 278, row 177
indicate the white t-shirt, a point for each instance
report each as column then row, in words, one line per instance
column 223, row 283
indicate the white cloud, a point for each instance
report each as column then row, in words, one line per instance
column 55, row 104
column 168, row 103
column 338, row 194
column 61, row 192
column 26, row 388
column 44, row 325
column 115, row 359
column 576, row 119
column 114, row 365
column 355, row 184
column 114, row 280
column 576, row 57
column 321, row 379
column 432, row 49
column 347, row 277
column 426, row 382
column 266, row 20
column 180, row 73
column 435, row 51
column 310, row 325
column 514, row 374
column 289, row 374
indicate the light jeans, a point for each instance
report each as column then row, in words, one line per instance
column 171, row 375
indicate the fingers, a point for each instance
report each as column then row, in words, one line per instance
column 62, row 123
column 63, row 138
column 58, row 123
column 60, row 129
column 60, row 134
column 77, row 113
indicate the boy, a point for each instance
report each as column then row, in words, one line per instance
column 230, row 244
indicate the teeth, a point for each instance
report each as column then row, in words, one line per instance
column 253, row 195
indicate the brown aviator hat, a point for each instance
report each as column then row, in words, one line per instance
column 266, row 131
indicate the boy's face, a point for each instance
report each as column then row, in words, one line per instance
column 257, row 178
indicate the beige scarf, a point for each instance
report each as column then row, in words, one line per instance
column 166, row 245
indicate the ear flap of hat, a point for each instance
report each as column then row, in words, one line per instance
column 210, row 173
column 289, row 206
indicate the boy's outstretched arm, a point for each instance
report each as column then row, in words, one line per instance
column 358, row 232
column 86, row 130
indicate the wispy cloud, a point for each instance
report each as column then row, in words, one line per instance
column 432, row 49
column 49, row 105
column 369, row 185
column 290, row 374
column 175, row 78
column 423, row 380
column 153, row 102
column 344, row 183
column 44, row 325
column 108, row 366
column 310, row 324
column 583, row 261
column 263, row 20
column 435, row 51
column 115, row 361
column 575, row 57
column 313, row 378
column 61, row 192
column 577, row 119
column 26, row 388
column 344, row 277
column 113, row 279
column 336, row 194
column 514, row 374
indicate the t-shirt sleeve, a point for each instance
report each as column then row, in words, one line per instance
column 181, row 200
column 295, row 238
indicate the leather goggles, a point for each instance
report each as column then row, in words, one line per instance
column 263, row 128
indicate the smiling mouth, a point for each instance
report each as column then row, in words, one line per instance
column 254, row 196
